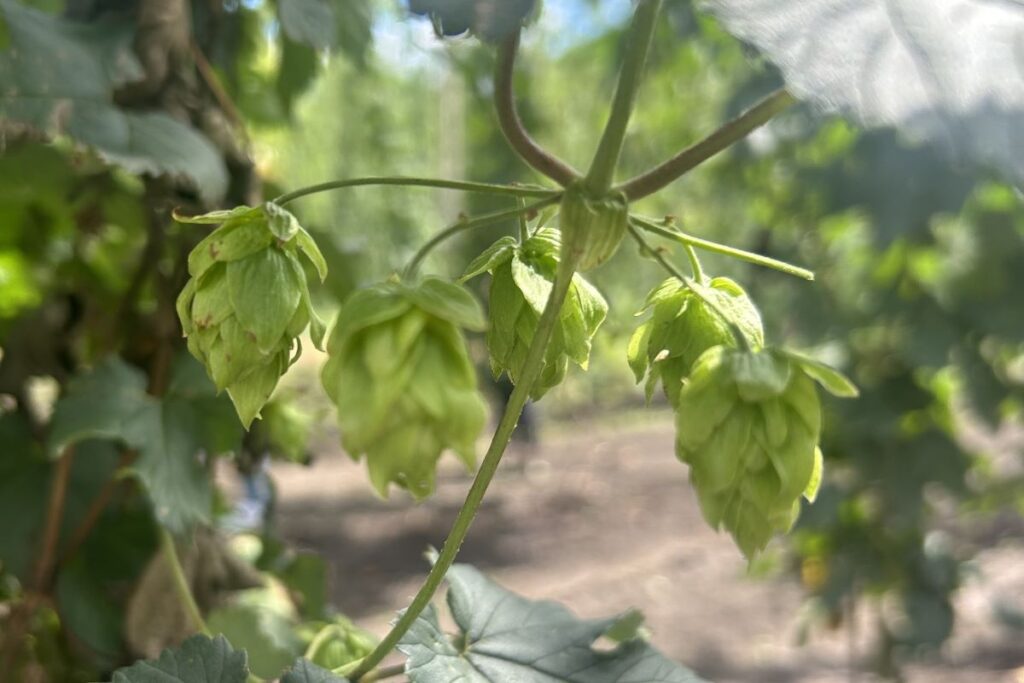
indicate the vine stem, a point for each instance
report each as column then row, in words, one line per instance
column 499, row 442
column 54, row 514
column 690, row 241
column 181, row 582
column 737, row 333
column 408, row 181
column 471, row 223
column 512, row 126
column 731, row 132
column 638, row 44
column 698, row 272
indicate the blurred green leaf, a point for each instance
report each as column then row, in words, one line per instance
column 59, row 76
column 306, row 672
column 110, row 402
column 198, row 660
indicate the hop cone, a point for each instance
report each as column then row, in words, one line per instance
column 402, row 381
column 683, row 325
column 247, row 301
column 748, row 424
column 521, row 281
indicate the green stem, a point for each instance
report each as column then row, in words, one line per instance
column 698, row 272
column 383, row 673
column 322, row 637
column 735, row 130
column 638, row 43
column 181, row 582
column 513, row 409
column 469, row 224
column 697, row 289
column 725, row 250
column 403, row 181
column 524, row 229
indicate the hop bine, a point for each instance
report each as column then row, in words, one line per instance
column 402, row 381
column 247, row 301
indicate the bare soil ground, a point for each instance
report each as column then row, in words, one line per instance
column 604, row 520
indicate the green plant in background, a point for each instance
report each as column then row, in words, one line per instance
column 748, row 417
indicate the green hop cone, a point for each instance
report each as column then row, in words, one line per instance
column 522, row 276
column 748, row 424
column 247, row 301
column 683, row 325
column 592, row 227
column 402, row 381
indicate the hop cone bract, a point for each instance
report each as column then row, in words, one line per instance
column 522, row 276
column 402, row 381
column 683, row 325
column 748, row 424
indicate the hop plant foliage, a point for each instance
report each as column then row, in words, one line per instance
column 402, row 380
column 522, row 276
column 748, row 424
column 247, row 301
column 683, row 325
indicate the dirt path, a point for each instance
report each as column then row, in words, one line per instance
column 604, row 521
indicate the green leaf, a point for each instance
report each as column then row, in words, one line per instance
column 169, row 467
column 304, row 671
column 264, row 292
column 110, row 402
column 491, row 258
column 266, row 635
column 449, row 301
column 944, row 72
column 504, row 637
column 198, row 660
column 59, row 77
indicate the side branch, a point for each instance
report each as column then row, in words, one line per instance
column 406, row 181
column 735, row 130
column 472, row 223
column 512, row 126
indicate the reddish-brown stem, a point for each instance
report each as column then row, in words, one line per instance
column 740, row 127
column 54, row 514
column 99, row 504
column 512, row 126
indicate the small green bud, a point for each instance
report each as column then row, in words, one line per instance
column 522, row 276
column 592, row 227
column 748, row 424
column 248, row 301
column 683, row 325
column 400, row 376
